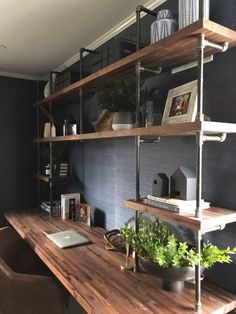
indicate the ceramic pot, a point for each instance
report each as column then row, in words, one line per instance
column 123, row 120
column 189, row 12
column 172, row 278
column 163, row 26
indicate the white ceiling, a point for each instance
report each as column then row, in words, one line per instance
column 43, row 35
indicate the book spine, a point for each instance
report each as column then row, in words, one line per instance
column 162, row 205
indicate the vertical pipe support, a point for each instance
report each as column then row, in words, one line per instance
column 50, row 177
column 137, row 138
column 81, row 93
column 202, row 10
column 201, row 46
column 199, row 144
column 81, row 75
column 198, row 304
column 38, row 152
column 138, row 15
column 50, row 148
column 137, row 161
column 137, row 194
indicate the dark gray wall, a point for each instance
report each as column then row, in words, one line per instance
column 17, row 121
column 108, row 175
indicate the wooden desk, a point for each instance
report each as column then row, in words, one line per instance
column 93, row 276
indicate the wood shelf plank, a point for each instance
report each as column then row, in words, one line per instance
column 177, row 49
column 181, row 129
column 212, row 217
column 54, row 179
column 92, row 274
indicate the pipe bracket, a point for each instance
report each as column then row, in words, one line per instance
column 215, row 138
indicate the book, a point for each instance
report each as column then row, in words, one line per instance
column 65, row 204
column 56, row 206
column 174, row 204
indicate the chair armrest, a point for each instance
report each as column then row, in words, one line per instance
column 18, row 255
column 27, row 294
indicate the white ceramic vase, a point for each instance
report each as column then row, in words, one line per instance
column 163, row 26
column 123, row 120
column 48, row 130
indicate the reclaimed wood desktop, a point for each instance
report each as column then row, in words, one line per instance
column 93, row 276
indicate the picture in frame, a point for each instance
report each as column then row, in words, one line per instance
column 83, row 213
column 181, row 104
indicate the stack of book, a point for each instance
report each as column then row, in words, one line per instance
column 174, row 204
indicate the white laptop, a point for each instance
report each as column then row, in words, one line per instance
column 67, row 238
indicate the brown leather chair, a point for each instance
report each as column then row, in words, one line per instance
column 24, row 286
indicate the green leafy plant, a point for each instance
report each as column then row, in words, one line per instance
column 120, row 95
column 154, row 243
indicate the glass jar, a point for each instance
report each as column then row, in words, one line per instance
column 149, row 114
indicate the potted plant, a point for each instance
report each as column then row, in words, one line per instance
column 119, row 98
column 173, row 261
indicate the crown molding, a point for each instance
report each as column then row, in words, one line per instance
column 20, row 76
column 151, row 5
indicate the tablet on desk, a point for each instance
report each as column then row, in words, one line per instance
column 67, row 238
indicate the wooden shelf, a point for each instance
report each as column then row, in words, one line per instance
column 177, row 49
column 212, row 217
column 54, row 179
column 181, row 129
column 92, row 274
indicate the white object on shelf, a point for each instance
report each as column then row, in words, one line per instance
column 189, row 12
column 65, row 203
column 53, row 131
column 48, row 130
column 163, row 26
column 47, row 86
column 117, row 127
column 56, row 205
column 47, row 170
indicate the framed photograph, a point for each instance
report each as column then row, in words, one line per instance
column 83, row 213
column 181, row 104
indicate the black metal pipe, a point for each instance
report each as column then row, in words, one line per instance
column 50, row 177
column 82, row 50
column 38, row 152
column 81, row 93
column 139, row 9
column 81, row 75
column 81, row 54
column 137, row 30
column 50, row 147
